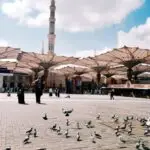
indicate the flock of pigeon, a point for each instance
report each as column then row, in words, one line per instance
column 124, row 127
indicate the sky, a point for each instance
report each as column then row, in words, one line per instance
column 83, row 27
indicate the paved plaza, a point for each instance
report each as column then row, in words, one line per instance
column 16, row 119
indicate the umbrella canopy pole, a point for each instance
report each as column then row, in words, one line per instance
column 129, row 74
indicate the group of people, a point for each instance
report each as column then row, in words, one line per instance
column 38, row 86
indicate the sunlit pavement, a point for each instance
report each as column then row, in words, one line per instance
column 15, row 119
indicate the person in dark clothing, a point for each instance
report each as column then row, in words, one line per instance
column 39, row 86
column 20, row 94
column 112, row 94
column 58, row 92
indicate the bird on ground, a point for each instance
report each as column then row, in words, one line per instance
column 78, row 137
column 89, row 124
column 144, row 146
column 29, row 131
column 148, row 122
column 41, row 149
column 130, row 125
column 54, row 127
column 126, row 119
column 138, row 144
column 113, row 117
column 98, row 117
column 26, row 140
column 8, row 148
column 92, row 137
column 45, row 117
column 116, row 120
column 67, row 122
column 117, row 128
column 122, row 139
column 59, row 130
column 147, row 132
column 68, row 96
column 131, row 117
column 130, row 131
column 78, row 125
column 124, row 126
column 35, row 133
column 117, row 133
column 143, row 121
column 67, row 112
column 67, row 133
column 98, row 136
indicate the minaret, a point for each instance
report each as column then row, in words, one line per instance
column 42, row 50
column 51, row 35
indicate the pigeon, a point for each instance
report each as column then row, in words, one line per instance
column 29, row 131
column 35, row 133
column 78, row 137
column 98, row 136
column 146, row 132
column 68, row 96
column 116, row 120
column 131, row 117
column 113, row 117
column 58, row 130
column 126, row 119
column 45, row 117
column 8, row 148
column 117, row 133
column 26, row 140
column 78, row 125
column 130, row 131
column 67, row 112
column 144, row 146
column 98, row 117
column 124, row 126
column 88, row 124
column 67, row 133
column 67, row 122
column 117, row 128
column 137, row 145
column 54, row 127
column 122, row 139
column 93, row 138
column 148, row 122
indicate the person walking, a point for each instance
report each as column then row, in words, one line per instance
column 50, row 92
column 112, row 94
column 39, row 86
column 20, row 94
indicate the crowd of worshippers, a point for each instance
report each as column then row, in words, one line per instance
column 38, row 85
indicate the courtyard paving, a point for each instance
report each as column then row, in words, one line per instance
column 16, row 119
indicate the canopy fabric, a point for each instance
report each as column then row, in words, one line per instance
column 9, row 52
column 144, row 74
column 93, row 62
column 23, row 71
column 128, row 56
column 119, row 77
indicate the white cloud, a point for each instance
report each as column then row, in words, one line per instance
column 91, row 53
column 3, row 43
column 71, row 15
column 137, row 36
